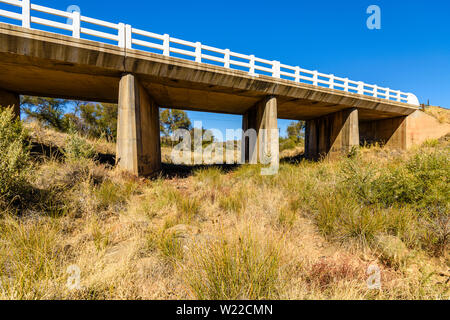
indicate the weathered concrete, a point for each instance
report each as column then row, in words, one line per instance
column 10, row 99
column 261, row 143
column 138, row 136
column 332, row 135
column 403, row 132
column 390, row 132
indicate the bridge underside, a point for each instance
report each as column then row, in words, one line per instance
column 44, row 64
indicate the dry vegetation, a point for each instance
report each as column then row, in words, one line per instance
column 443, row 115
column 309, row 232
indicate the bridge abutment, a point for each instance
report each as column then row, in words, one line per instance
column 261, row 135
column 138, row 135
column 332, row 135
column 389, row 132
column 10, row 99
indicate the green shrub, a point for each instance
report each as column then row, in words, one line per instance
column 77, row 148
column 396, row 185
column 422, row 181
column 432, row 172
column 287, row 144
column 14, row 160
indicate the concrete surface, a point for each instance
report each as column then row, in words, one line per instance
column 10, row 99
column 138, row 140
column 262, row 118
column 332, row 135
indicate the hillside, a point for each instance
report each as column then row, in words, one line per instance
column 310, row 232
column 441, row 114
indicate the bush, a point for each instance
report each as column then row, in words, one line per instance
column 78, row 148
column 14, row 160
column 421, row 182
column 288, row 144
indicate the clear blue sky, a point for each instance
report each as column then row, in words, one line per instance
column 411, row 52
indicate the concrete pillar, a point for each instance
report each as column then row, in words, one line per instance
column 332, row 135
column 389, row 132
column 10, row 99
column 138, row 137
column 261, row 135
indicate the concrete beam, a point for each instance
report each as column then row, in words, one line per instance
column 333, row 135
column 261, row 139
column 138, row 136
column 10, row 99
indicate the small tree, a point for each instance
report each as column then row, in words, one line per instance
column 295, row 130
column 49, row 111
column 172, row 120
column 98, row 119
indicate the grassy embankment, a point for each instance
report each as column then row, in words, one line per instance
column 309, row 232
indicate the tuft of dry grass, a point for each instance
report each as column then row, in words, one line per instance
column 243, row 267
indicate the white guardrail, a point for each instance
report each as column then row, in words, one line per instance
column 128, row 37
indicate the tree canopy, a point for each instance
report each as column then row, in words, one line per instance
column 295, row 130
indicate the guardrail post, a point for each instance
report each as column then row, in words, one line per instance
column 251, row 70
column 26, row 14
column 346, row 84
column 122, row 39
column 276, row 69
column 388, row 94
column 297, row 74
column 198, row 52
column 375, row 91
column 128, row 36
column 226, row 58
column 76, row 25
column 166, row 45
column 360, row 87
column 331, row 81
column 315, row 78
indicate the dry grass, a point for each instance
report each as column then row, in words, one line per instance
column 442, row 114
column 309, row 232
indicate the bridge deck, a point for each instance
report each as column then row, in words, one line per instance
column 46, row 64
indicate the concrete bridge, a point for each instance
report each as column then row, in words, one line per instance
column 142, row 71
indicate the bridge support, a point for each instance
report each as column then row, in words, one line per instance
column 389, row 132
column 10, row 99
column 261, row 135
column 332, row 135
column 138, row 137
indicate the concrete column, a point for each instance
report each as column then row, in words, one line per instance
column 138, row 137
column 389, row 132
column 261, row 135
column 332, row 135
column 10, row 99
